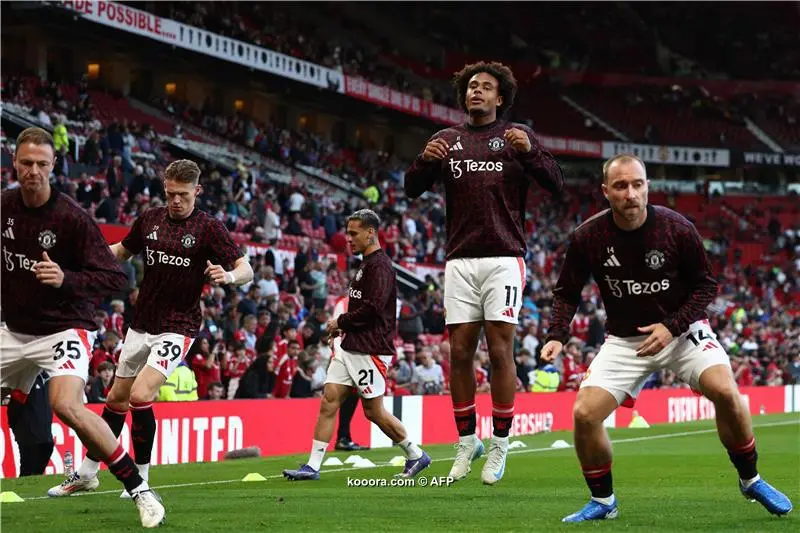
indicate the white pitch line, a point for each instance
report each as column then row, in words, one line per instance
column 383, row 465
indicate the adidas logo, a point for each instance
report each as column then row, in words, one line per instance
column 153, row 236
column 457, row 147
column 67, row 366
column 163, row 363
column 509, row 313
column 9, row 233
column 612, row 261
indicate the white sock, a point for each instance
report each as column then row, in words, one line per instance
column 503, row 441
column 605, row 501
column 144, row 471
column 142, row 486
column 467, row 439
column 318, row 448
column 88, row 468
column 411, row 450
column 746, row 483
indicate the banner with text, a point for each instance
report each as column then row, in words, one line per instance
column 670, row 155
column 570, row 146
column 362, row 89
column 131, row 20
column 771, row 159
column 190, row 432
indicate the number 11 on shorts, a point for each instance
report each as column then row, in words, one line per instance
column 508, row 296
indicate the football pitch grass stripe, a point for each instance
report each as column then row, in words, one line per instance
column 440, row 459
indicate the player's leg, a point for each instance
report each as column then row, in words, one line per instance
column 132, row 360
column 164, row 353
column 615, row 376
column 500, row 337
column 701, row 362
column 502, row 280
column 333, row 395
column 369, row 371
column 66, row 398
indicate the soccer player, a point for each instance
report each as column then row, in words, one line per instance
column 55, row 264
column 365, row 353
column 182, row 247
column 487, row 165
column 656, row 283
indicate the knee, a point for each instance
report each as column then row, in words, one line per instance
column 585, row 413
column 140, row 395
column 726, row 395
column 329, row 405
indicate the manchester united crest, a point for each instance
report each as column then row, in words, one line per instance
column 47, row 239
column 654, row 259
column 188, row 240
column 496, row 144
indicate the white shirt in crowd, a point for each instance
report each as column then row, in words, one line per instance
column 296, row 201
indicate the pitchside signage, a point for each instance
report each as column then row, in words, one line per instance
column 196, row 432
column 128, row 19
column 772, row 159
column 671, row 155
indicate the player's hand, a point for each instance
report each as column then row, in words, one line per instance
column 518, row 140
column 435, row 150
column 657, row 341
column 332, row 336
column 217, row 274
column 550, row 351
column 48, row 272
column 332, row 325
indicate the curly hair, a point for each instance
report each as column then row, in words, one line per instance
column 503, row 74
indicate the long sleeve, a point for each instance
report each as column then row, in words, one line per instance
column 100, row 275
column 567, row 292
column 697, row 273
column 541, row 167
column 372, row 302
column 421, row 175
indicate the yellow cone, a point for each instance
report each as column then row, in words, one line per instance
column 10, row 497
column 254, row 476
column 638, row 422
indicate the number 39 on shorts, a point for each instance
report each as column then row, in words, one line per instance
column 170, row 348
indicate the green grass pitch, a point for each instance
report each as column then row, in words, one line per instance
column 667, row 478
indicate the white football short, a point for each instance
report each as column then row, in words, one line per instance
column 367, row 373
column 483, row 288
column 617, row 369
column 23, row 357
column 164, row 352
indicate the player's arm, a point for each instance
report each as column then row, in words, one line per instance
column 376, row 294
column 423, row 172
column 695, row 270
column 99, row 274
column 566, row 296
column 120, row 252
column 539, row 165
column 225, row 251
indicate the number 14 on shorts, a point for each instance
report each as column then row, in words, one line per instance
column 702, row 337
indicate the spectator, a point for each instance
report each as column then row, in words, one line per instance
column 100, row 386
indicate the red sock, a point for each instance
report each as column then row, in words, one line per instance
column 502, row 416
column 465, row 417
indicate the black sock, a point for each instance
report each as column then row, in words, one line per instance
column 346, row 412
column 122, row 466
column 744, row 458
column 115, row 421
column 598, row 478
column 143, row 431
column 465, row 417
column 502, row 417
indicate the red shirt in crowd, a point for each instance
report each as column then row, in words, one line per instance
column 204, row 375
column 284, row 376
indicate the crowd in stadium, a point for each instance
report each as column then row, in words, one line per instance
column 246, row 346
